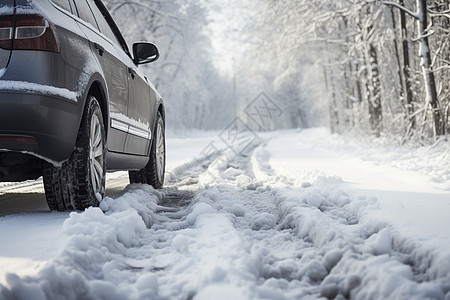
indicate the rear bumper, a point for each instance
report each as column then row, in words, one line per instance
column 40, row 124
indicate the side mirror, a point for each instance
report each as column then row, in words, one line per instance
column 144, row 53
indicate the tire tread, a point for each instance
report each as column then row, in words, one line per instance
column 68, row 187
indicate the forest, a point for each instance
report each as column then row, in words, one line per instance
column 372, row 68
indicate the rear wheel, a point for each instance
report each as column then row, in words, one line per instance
column 153, row 172
column 80, row 181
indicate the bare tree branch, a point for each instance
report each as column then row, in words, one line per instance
column 409, row 12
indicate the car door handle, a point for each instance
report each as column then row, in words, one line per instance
column 132, row 73
column 99, row 48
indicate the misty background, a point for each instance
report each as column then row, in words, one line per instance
column 371, row 68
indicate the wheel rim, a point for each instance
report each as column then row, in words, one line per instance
column 96, row 154
column 160, row 151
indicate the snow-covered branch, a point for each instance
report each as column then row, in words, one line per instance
column 409, row 12
column 419, row 38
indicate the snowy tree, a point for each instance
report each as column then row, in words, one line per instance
column 195, row 93
column 371, row 67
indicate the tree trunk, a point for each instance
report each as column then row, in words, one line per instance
column 347, row 72
column 401, row 75
column 406, row 68
column 373, row 83
column 334, row 116
column 374, row 101
column 424, row 53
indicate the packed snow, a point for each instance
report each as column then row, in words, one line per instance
column 302, row 215
column 23, row 86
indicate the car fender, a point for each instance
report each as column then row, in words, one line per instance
column 158, row 104
column 95, row 85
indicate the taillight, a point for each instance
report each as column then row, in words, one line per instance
column 31, row 32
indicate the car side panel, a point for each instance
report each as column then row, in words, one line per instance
column 140, row 110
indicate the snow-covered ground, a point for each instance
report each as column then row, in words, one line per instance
column 303, row 215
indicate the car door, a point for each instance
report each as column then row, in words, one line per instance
column 140, row 106
column 140, row 109
column 105, row 47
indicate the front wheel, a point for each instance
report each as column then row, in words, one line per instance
column 153, row 172
column 80, row 182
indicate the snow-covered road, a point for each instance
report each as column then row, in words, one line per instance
column 304, row 215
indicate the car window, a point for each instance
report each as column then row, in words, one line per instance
column 65, row 4
column 112, row 26
column 102, row 23
column 22, row 3
column 85, row 12
column 6, row 3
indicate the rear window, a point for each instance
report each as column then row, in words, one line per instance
column 85, row 13
column 102, row 23
column 65, row 4
column 6, row 3
column 23, row 3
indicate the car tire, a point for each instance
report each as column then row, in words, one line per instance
column 80, row 182
column 153, row 172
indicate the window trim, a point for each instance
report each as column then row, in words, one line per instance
column 62, row 8
column 113, row 25
column 103, row 25
column 94, row 26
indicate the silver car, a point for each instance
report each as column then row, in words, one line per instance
column 73, row 103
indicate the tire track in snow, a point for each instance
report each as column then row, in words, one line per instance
column 30, row 186
column 233, row 229
column 109, row 255
column 363, row 257
column 328, row 243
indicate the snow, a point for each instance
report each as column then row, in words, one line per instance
column 23, row 86
column 23, row 10
column 26, row 10
column 132, row 122
column 305, row 215
column 5, row 10
column 31, row 253
column 395, row 189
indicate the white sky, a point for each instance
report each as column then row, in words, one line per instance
column 230, row 20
